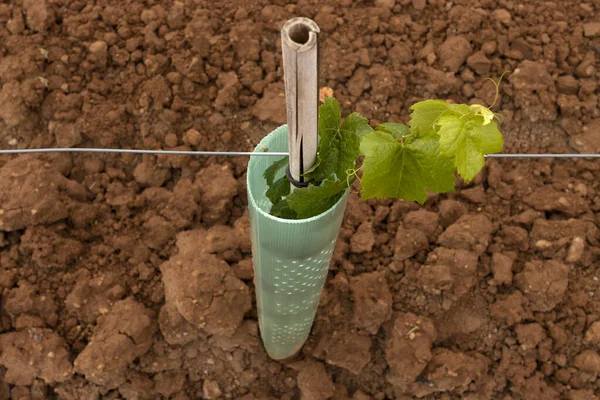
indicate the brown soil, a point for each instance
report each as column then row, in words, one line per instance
column 130, row 277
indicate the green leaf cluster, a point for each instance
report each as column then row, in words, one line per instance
column 337, row 153
column 400, row 161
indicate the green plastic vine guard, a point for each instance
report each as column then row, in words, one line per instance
column 291, row 258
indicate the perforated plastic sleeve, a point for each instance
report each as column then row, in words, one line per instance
column 291, row 259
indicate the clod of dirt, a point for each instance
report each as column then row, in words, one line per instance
column 530, row 335
column 409, row 348
column 27, row 308
column 271, row 106
column 13, row 109
column 588, row 361
column 242, row 233
column 454, row 52
column 589, row 140
column 451, row 211
column 465, row 317
column 245, row 337
column 18, row 179
column 425, row 221
column 314, row 383
column 77, row 388
column 36, row 14
column 91, row 298
column 137, row 387
column 535, row 92
column 567, row 84
column 372, row 301
column 479, row 63
column 121, row 336
column 536, row 387
column 546, row 198
column 204, row 290
column 158, row 232
column 48, row 249
column 591, row 29
column 503, row 16
column 363, row 239
column 98, row 54
column 510, row 309
column 34, row 354
column 502, row 269
column 176, row 329
column 408, row 242
column 170, row 382
column 582, row 394
column 592, row 335
column 453, row 272
column 219, row 239
column 217, row 188
column 348, row 350
column 148, row 173
column 556, row 231
column 449, row 370
column 178, row 206
column 543, row 283
column 162, row 357
column 471, row 232
column 244, row 269
column 514, row 237
column 229, row 85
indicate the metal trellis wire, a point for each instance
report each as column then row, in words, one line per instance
column 250, row 153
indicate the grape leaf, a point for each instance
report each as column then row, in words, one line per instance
column 270, row 172
column 468, row 140
column 358, row 123
column 395, row 129
column 282, row 209
column 404, row 170
column 339, row 146
column 426, row 113
column 313, row 200
column 279, row 189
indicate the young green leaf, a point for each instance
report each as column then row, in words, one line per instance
column 279, row 189
column 270, row 172
column 395, row 129
column 426, row 113
column 468, row 140
column 358, row 123
column 313, row 200
column 339, row 146
column 404, row 170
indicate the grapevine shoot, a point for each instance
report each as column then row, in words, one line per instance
column 400, row 161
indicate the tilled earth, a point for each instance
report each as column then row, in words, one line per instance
column 130, row 277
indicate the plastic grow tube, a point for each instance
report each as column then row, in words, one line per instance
column 291, row 259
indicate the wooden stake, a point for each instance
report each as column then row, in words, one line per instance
column 300, row 48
